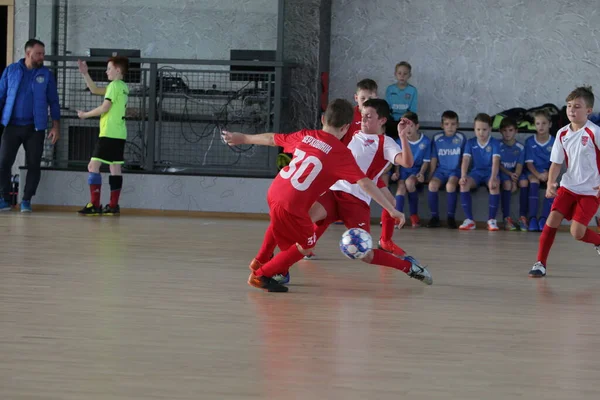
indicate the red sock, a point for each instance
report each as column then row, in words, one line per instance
column 281, row 263
column 320, row 228
column 386, row 259
column 95, row 191
column 591, row 237
column 546, row 240
column 387, row 226
column 268, row 246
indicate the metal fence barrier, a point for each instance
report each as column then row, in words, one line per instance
column 175, row 113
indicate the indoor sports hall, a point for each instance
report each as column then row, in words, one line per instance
column 153, row 302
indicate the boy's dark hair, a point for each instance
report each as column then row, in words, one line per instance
column 583, row 92
column 412, row 117
column 449, row 114
column 507, row 122
column 120, row 62
column 32, row 42
column 403, row 64
column 381, row 107
column 339, row 113
column 367, row 84
column 483, row 117
column 542, row 113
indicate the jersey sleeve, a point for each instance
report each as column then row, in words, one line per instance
column 289, row 141
column 467, row 149
column 528, row 152
column 434, row 153
column 390, row 148
column 521, row 159
column 347, row 168
column 427, row 151
column 413, row 102
column 596, row 138
column 557, row 155
column 111, row 92
column 495, row 148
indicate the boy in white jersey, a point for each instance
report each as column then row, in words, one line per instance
column 578, row 146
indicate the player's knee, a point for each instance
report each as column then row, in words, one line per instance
column 434, row 185
column 411, row 184
column 507, row 185
column 577, row 231
column 533, row 179
column 401, row 190
column 523, row 183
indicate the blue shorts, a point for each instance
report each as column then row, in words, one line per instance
column 504, row 177
column 444, row 175
column 481, row 177
column 406, row 172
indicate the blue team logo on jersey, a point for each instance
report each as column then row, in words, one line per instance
column 39, row 79
column 422, row 146
column 455, row 141
column 488, row 149
column 516, row 152
column 407, row 96
column 549, row 149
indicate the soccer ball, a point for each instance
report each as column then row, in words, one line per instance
column 356, row 243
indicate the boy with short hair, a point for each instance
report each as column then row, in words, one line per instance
column 512, row 159
column 537, row 160
column 577, row 199
column 366, row 89
column 446, row 154
column 320, row 159
column 484, row 151
column 410, row 177
column 110, row 147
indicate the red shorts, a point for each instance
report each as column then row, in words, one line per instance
column 343, row 206
column 289, row 229
column 576, row 207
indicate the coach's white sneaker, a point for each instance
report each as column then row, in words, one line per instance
column 467, row 225
column 492, row 225
column 538, row 270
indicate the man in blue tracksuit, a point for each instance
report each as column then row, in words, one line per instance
column 27, row 90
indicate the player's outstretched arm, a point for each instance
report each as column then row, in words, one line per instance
column 83, row 69
column 236, row 138
column 552, row 178
column 96, row 112
column 368, row 186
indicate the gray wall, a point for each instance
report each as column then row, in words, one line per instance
column 468, row 55
column 205, row 29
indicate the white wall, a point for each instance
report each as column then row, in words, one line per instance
column 468, row 55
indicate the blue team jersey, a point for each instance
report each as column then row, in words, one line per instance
column 482, row 156
column 448, row 150
column 510, row 156
column 538, row 153
column 421, row 150
column 401, row 100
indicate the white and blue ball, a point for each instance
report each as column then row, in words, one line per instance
column 356, row 243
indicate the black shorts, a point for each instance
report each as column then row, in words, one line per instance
column 109, row 150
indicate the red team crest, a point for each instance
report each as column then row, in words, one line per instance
column 369, row 142
column 584, row 140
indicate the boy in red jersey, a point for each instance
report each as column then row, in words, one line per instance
column 577, row 199
column 320, row 159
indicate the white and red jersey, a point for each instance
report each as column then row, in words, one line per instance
column 373, row 153
column 580, row 151
column 320, row 159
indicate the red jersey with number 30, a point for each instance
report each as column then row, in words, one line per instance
column 320, row 159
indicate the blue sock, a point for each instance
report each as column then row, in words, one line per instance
column 94, row 179
column 452, row 199
column 413, row 202
column 546, row 207
column 433, row 200
column 494, row 201
column 523, row 199
column 466, row 201
column 400, row 202
column 533, row 199
column 506, row 197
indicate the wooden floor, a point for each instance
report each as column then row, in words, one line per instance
column 158, row 308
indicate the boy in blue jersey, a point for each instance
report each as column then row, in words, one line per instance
column 401, row 96
column 446, row 153
column 512, row 160
column 409, row 178
column 484, row 151
column 537, row 159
